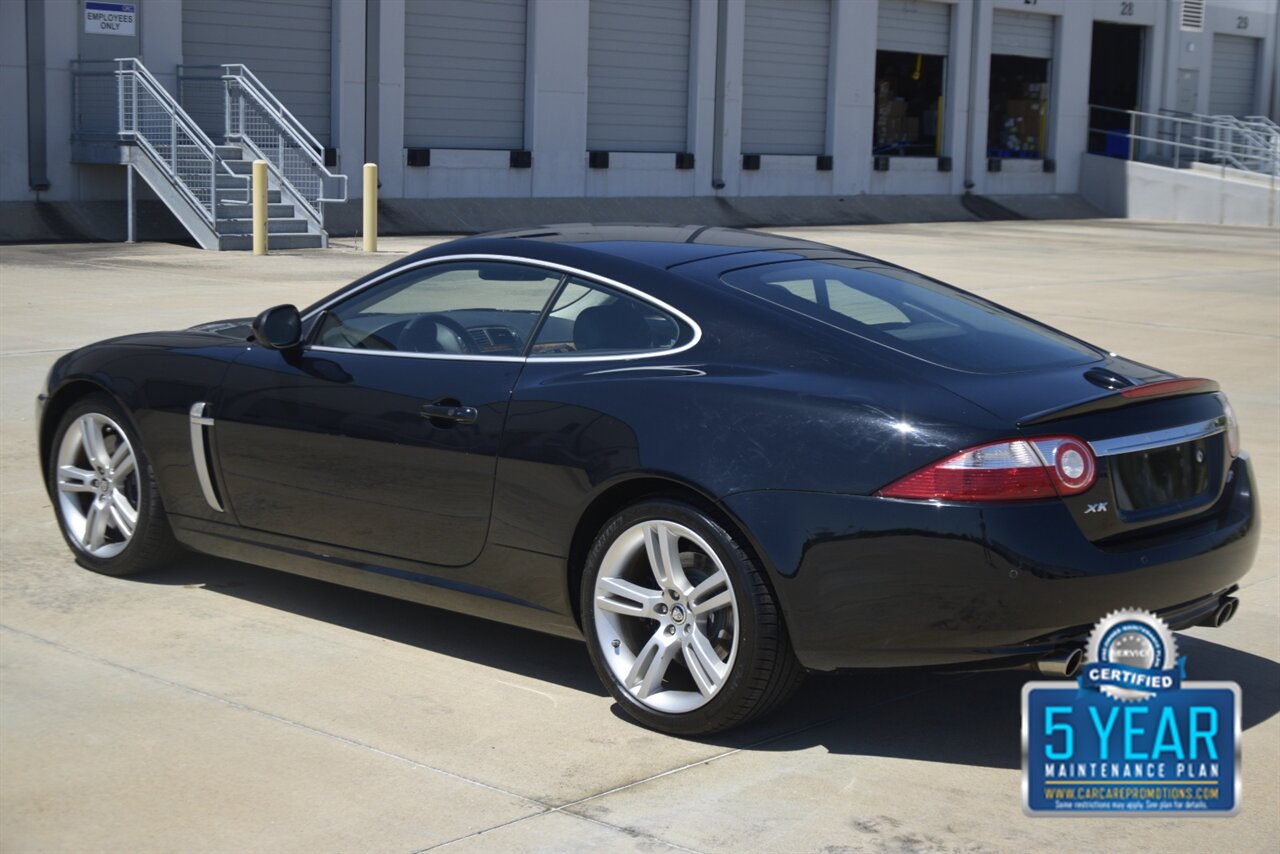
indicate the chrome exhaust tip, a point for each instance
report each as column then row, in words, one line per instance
column 1064, row 663
column 1225, row 611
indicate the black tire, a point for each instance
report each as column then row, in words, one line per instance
column 151, row 543
column 762, row 673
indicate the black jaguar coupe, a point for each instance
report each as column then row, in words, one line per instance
column 722, row 457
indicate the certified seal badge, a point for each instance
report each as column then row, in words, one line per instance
column 1131, row 655
column 1133, row 737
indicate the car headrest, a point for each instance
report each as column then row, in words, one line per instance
column 611, row 327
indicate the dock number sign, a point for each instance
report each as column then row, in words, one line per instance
column 110, row 19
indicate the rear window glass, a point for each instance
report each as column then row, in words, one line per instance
column 909, row 313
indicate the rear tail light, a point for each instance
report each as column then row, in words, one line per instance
column 1233, row 427
column 1012, row 470
column 1071, row 462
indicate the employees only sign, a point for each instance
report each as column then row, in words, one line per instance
column 110, row 19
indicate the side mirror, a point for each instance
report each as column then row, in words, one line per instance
column 278, row 328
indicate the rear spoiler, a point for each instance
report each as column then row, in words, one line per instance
column 1123, row 397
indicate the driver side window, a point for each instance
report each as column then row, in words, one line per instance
column 472, row 308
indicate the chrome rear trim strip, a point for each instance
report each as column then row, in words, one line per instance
column 200, row 456
column 1159, row 438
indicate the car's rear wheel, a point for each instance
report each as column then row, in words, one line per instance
column 680, row 624
column 104, row 492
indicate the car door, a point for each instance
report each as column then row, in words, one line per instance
column 381, row 433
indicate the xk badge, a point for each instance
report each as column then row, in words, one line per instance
column 1100, row 507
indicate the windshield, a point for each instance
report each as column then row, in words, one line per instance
column 911, row 314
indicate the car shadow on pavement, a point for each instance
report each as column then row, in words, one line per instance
column 516, row 650
column 956, row 718
column 961, row 718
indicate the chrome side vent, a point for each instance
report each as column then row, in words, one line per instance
column 200, row 425
column 1192, row 19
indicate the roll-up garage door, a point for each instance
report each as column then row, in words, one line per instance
column 1022, row 34
column 914, row 26
column 464, row 70
column 784, row 69
column 638, row 75
column 1235, row 73
column 286, row 43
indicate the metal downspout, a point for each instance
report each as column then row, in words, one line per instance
column 970, row 113
column 717, row 141
column 37, row 130
column 372, row 78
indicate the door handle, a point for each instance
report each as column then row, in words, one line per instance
column 450, row 412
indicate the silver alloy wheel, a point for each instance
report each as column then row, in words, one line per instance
column 98, row 488
column 665, row 616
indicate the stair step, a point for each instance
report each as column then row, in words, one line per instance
column 275, row 241
column 230, row 152
column 244, row 210
column 231, row 182
column 241, row 196
column 240, row 167
column 274, row 226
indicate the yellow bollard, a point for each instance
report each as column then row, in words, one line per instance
column 259, row 207
column 371, row 207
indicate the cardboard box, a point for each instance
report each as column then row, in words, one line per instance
column 1025, row 110
column 891, row 122
column 1020, row 131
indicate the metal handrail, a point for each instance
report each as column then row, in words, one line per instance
column 132, row 79
column 1260, row 122
column 155, row 89
column 283, row 133
column 286, row 186
column 263, row 100
column 1224, row 140
column 236, row 69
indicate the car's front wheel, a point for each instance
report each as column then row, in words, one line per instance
column 680, row 623
column 104, row 491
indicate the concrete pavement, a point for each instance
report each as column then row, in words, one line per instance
column 215, row 706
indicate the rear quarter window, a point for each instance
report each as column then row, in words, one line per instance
column 914, row 315
column 591, row 320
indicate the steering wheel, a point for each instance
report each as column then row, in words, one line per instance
column 417, row 327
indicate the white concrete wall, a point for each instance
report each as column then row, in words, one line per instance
column 556, row 103
column 390, row 95
column 556, row 115
column 1194, row 51
column 1124, row 188
column 348, row 87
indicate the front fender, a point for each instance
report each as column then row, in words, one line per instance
column 155, row 379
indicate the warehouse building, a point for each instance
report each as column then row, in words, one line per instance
column 634, row 99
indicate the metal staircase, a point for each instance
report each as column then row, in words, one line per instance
column 1248, row 144
column 206, row 184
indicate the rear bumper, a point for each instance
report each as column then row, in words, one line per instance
column 871, row 582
